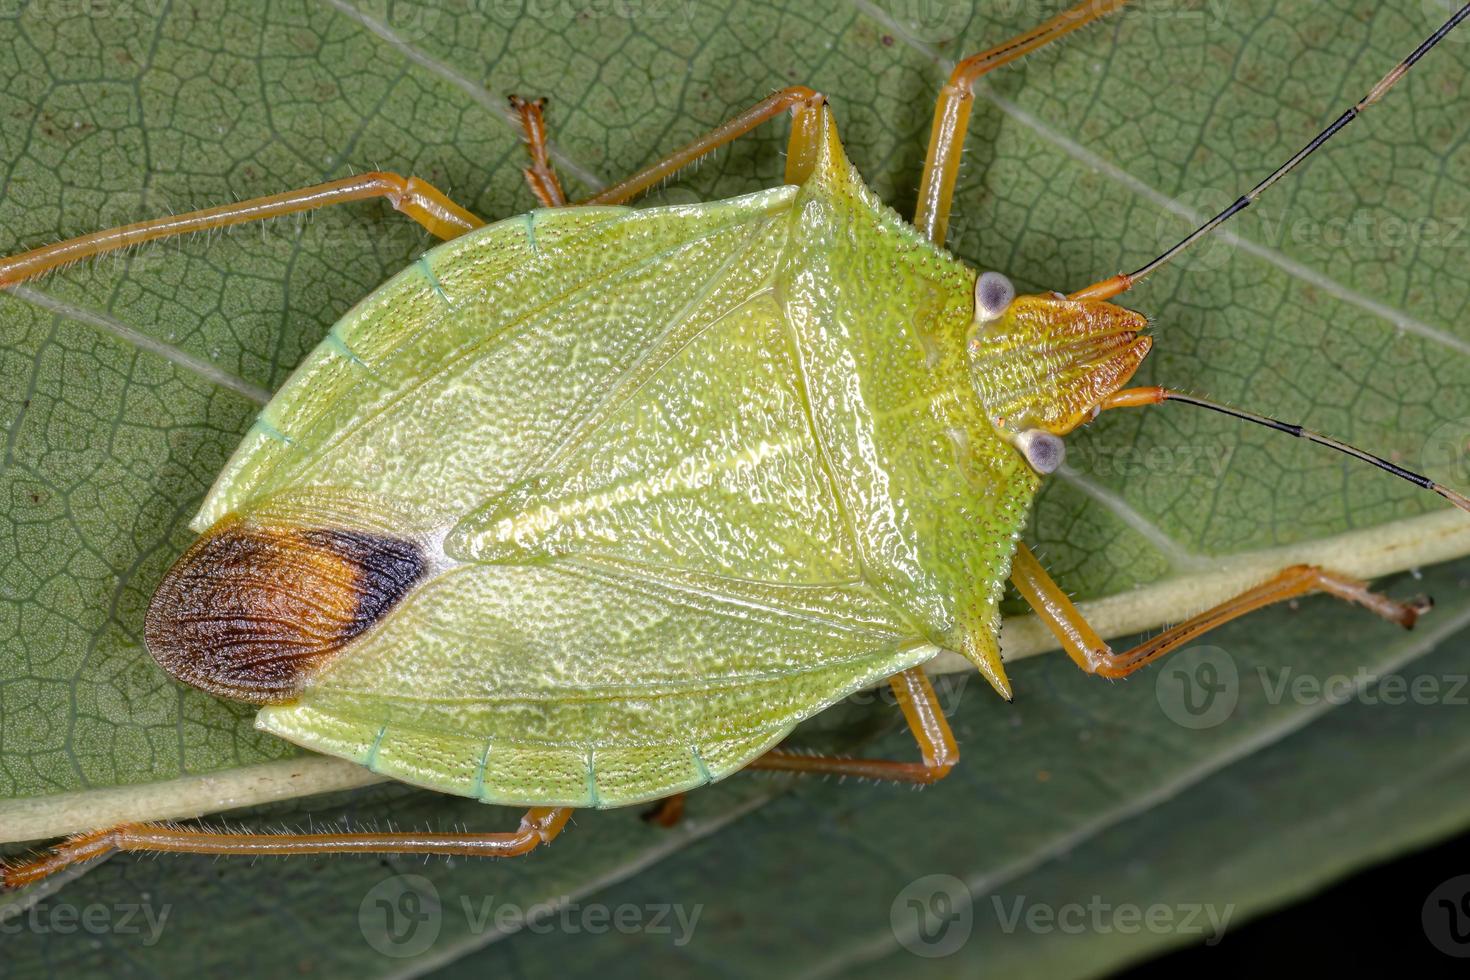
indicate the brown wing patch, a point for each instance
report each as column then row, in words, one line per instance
column 250, row 613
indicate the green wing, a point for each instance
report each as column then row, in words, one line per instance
column 590, row 682
column 447, row 384
column 646, row 578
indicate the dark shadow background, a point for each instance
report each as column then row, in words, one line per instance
column 1368, row 920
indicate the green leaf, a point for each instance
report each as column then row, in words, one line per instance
column 1339, row 301
column 1318, row 765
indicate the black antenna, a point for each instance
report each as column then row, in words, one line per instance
column 1164, row 394
column 1254, row 193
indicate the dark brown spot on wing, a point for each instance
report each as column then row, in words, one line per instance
column 250, row 613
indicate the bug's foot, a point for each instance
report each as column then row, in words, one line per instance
column 667, row 812
column 1413, row 609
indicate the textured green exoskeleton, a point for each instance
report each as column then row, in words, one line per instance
column 639, row 490
column 594, row 505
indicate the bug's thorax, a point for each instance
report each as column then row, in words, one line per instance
column 815, row 402
column 1045, row 362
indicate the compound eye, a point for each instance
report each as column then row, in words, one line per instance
column 1042, row 450
column 993, row 293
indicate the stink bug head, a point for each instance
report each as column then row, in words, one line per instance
column 1046, row 361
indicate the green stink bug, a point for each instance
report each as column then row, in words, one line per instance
column 695, row 422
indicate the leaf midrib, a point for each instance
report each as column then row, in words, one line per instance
column 1395, row 317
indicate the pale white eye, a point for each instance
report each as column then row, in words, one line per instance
column 1042, row 450
column 993, row 293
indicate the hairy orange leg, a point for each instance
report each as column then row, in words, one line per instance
column 423, row 202
column 801, row 151
column 1093, row 655
column 539, row 826
column 926, row 720
column 445, row 219
column 417, row 199
column 957, row 99
column 540, row 175
column 801, row 154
